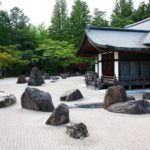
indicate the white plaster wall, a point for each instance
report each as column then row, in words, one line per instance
column 100, row 69
column 96, row 68
column 116, row 64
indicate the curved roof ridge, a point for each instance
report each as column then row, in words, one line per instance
column 115, row 29
column 137, row 23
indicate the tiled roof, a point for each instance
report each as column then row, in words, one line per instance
column 119, row 39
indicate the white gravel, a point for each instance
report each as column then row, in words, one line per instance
column 22, row 129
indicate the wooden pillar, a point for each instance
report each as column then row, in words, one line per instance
column 116, row 64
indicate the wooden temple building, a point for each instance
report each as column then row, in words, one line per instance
column 122, row 54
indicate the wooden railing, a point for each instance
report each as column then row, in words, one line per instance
column 105, row 81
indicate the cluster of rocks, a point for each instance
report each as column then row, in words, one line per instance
column 116, row 100
column 61, row 116
column 35, row 99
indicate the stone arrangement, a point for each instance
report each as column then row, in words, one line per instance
column 114, row 95
column 77, row 131
column 71, row 95
column 35, row 78
column 116, row 100
column 6, row 99
column 21, row 79
column 59, row 116
column 36, row 99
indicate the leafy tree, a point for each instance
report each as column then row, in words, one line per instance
column 5, row 28
column 21, row 35
column 122, row 13
column 18, row 19
column 42, row 33
column 80, row 17
column 99, row 18
column 58, row 21
column 62, row 54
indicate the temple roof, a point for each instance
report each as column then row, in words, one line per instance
column 114, row 39
column 143, row 24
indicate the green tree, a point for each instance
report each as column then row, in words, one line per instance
column 58, row 21
column 42, row 32
column 99, row 18
column 21, row 35
column 122, row 13
column 5, row 28
column 80, row 17
column 142, row 12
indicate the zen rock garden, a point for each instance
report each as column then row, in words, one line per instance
column 116, row 100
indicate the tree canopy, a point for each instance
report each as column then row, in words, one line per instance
column 52, row 49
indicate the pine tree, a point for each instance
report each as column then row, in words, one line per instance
column 99, row 18
column 78, row 20
column 58, row 21
column 122, row 13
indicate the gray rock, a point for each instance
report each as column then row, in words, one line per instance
column 59, row 116
column 130, row 107
column 87, row 105
column 36, row 99
column 146, row 95
column 6, row 99
column 130, row 97
column 54, row 77
column 71, row 95
column 21, row 79
column 46, row 76
column 114, row 95
column 77, row 131
column 35, row 78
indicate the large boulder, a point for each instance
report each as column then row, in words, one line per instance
column 21, row 79
column 71, row 95
column 115, row 94
column 77, row 131
column 36, row 99
column 131, row 107
column 6, row 99
column 59, row 116
column 35, row 78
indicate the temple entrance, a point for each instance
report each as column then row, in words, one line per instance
column 108, row 64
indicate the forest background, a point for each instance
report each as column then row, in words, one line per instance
column 52, row 49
